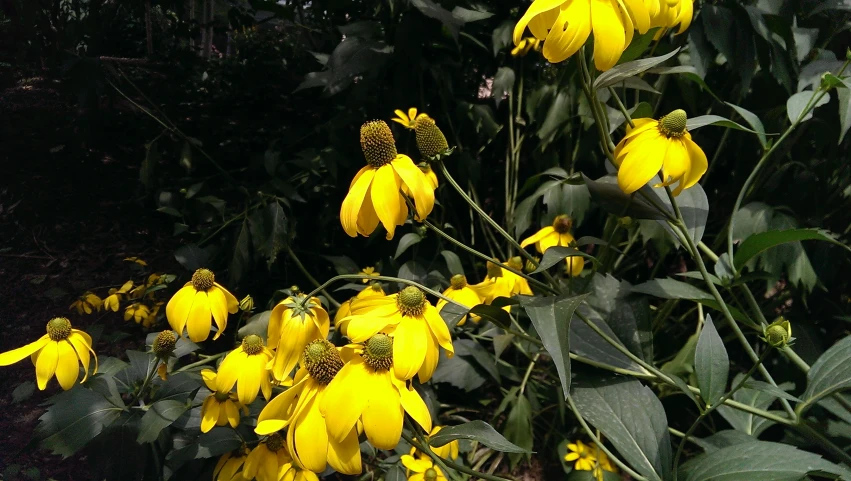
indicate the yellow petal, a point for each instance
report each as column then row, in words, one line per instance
column 209, row 414
column 640, row 166
column 367, row 217
column 540, row 26
column 219, row 309
column 232, row 413
column 409, row 347
column 697, row 158
column 432, row 355
column 362, row 327
column 345, row 398
column 344, row 456
column 178, row 308
column 685, row 15
column 45, row 365
column 609, row 34
column 310, row 438
column 537, row 236
column 416, row 181
column 414, row 405
column 538, row 7
column 15, row 355
column 571, row 30
column 200, row 318
column 84, row 351
column 438, row 328
column 639, row 15
column 383, row 416
column 548, row 241
column 67, row 366
column 354, row 199
column 209, row 378
column 385, row 197
column 248, row 386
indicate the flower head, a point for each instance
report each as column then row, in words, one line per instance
column 422, row 469
column 670, row 13
column 199, row 302
column 558, row 234
column 366, row 389
column 375, row 193
column 430, row 140
column 369, row 271
column 268, row 460
column 229, row 467
column 87, row 303
column 115, row 295
column 778, row 333
column 294, row 322
column 565, row 25
column 220, row 407
column 429, row 173
column 60, row 352
column 582, row 454
column 663, row 145
column 245, row 366
column 138, row 312
column 461, row 292
column 415, row 325
column 500, row 282
column 409, row 119
column 525, row 46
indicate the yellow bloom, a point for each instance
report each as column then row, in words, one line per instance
column 291, row 472
column 137, row 312
column 291, row 327
column 373, row 290
column 374, row 194
column 500, row 282
column 582, row 454
column 564, row 26
column 663, row 145
column 246, row 304
column 527, row 44
column 136, row 260
column 298, row 408
column 604, row 462
column 447, row 451
column 575, row 266
column 423, row 469
column 137, row 292
column 245, row 366
column 229, row 467
column 365, row 389
column 113, row 300
column 87, row 303
column 220, row 408
column 369, row 271
column 414, row 324
column 267, row 461
column 199, row 301
column 344, row 311
column 557, row 234
column 429, row 173
column 154, row 279
column 669, row 14
column 409, row 120
column 460, row 292
column 56, row 353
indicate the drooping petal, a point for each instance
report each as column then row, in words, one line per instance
column 416, row 181
column 344, row 456
column 638, row 168
column 277, row 414
column 230, row 370
column 414, row 405
column 432, row 355
column 571, row 30
column 696, row 156
column 385, row 197
column 15, row 355
column 639, row 15
column 362, row 327
column 609, row 34
column 345, row 398
column 548, row 241
column 537, row 236
column 200, row 318
column 367, row 217
column 409, row 347
column 254, row 368
column 209, row 414
column 179, row 306
column 439, row 329
column 309, row 436
column 84, row 352
column 67, row 366
column 45, row 364
column 354, row 199
column 383, row 416
column 538, row 7
column 540, row 26
column 219, row 309
column 685, row 15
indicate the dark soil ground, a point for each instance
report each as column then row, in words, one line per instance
column 70, row 212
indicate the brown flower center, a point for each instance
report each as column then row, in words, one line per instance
column 164, row 344
column 673, row 125
column 274, row 442
column 411, row 301
column 377, row 143
column 58, row 328
column 322, row 361
column 562, row 224
column 203, row 279
column 378, row 352
column 252, row 344
column 458, row 281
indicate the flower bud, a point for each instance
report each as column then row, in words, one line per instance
column 246, row 304
column 779, row 333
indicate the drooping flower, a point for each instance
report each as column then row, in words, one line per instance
column 60, row 352
column 292, row 472
column 197, row 303
column 670, row 13
column 87, row 303
column 366, row 389
column 220, row 407
column 267, row 461
column 409, row 119
column 526, row 45
column 229, row 467
column 500, row 282
column 565, row 25
column 374, row 289
column 245, row 366
column 369, row 271
column 557, row 235
column 575, row 266
column 298, row 408
column 294, row 322
column 374, row 194
column 415, row 325
column 582, row 454
column 460, row 292
column 422, row 469
column 136, row 260
column 663, row 145
column 115, row 295
column 138, row 312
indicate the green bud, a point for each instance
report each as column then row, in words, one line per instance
column 779, row 333
column 246, row 304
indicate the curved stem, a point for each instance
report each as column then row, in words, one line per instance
column 309, row 277
column 380, row 278
column 206, row 360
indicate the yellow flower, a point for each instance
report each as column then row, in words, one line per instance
column 291, row 327
column 447, row 451
column 298, row 408
column 163, row 348
column 414, row 324
column 557, row 234
column 373, row 290
column 57, row 352
column 87, row 303
column 137, row 292
column 669, row 14
column 423, row 469
column 292, row 472
column 246, row 304
column 229, row 467
column 140, row 313
column 460, row 292
column 369, row 271
column 604, row 462
column 220, row 408
column 365, row 389
column 429, row 173
column 112, row 301
column 575, row 266
column 500, row 282
column 136, row 260
column 154, row 279
column 663, row 145
column 374, row 194
column 564, row 26
column 409, row 120
column 199, row 301
column 267, row 461
column 245, row 366
column 582, row 454
column 527, row 44
column 344, row 311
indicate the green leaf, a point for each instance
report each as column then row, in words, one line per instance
column 757, row 461
column 470, row 15
column 711, row 363
column 343, row 264
column 74, row 418
column 158, row 417
column 753, row 121
column 474, row 351
column 771, row 389
column 556, row 254
column 746, row 422
column 435, row 11
column 638, row 46
column 258, row 324
column 475, row 431
column 192, row 257
column 407, row 241
column 670, row 289
column 620, row 72
column 551, row 317
column 453, row 262
column 694, row 123
column 493, row 314
column 829, row 374
column 452, row 314
column 518, row 428
column 584, row 341
column 503, row 84
column 844, row 95
column 758, row 243
column 610, row 197
column 797, row 103
column 395, row 473
column 460, row 372
column 23, row 392
column 628, row 316
column 632, row 418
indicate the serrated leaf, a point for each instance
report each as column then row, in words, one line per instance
column 711, row 363
column 551, row 317
column 475, row 431
column 758, row 243
column 74, row 418
column 829, row 374
column 158, row 417
column 620, row 72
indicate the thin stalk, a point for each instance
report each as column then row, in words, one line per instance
column 622, row 108
column 206, row 360
column 380, row 278
column 528, row 373
column 309, row 277
column 446, row 463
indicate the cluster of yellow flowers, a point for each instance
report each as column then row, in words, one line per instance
column 589, row 458
column 565, row 25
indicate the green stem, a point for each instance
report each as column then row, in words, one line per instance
column 528, row 373
column 309, row 277
column 626, row 352
column 206, row 360
column 149, row 374
column 380, row 278
column 622, row 108
column 446, row 463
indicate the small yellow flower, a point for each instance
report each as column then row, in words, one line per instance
column 461, row 292
column 502, row 283
column 220, row 408
column 154, row 279
column 268, row 460
column 447, row 451
column 60, row 352
column 115, row 295
column 138, row 312
column 374, row 289
column 292, row 472
column 229, row 467
column 136, row 260
column 245, row 366
column 582, row 454
column 87, row 303
column 670, row 13
column 663, row 145
column 409, row 120
column 369, row 271
column 246, row 304
column 556, row 235
column 423, row 469
column 197, row 303
column 525, row 46
column 292, row 325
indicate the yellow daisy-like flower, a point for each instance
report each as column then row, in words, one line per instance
column 220, row 408
column 137, row 312
column 374, row 289
column 87, row 303
column 155, row 279
column 245, row 366
column 460, row 292
column 409, row 119
column 298, row 407
column 575, row 266
column 670, row 13
column 60, row 352
column 344, row 311
column 565, row 25
column 447, row 451
column 375, row 192
column 502, row 283
column 369, row 271
column 114, row 299
column 294, row 322
column 229, row 467
column 422, row 469
column 365, row 389
column 197, row 303
column 292, row 472
column 267, row 461
column 663, row 145
column 525, row 46
column 582, row 454
column 604, row 462
column 557, row 234
column 414, row 324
